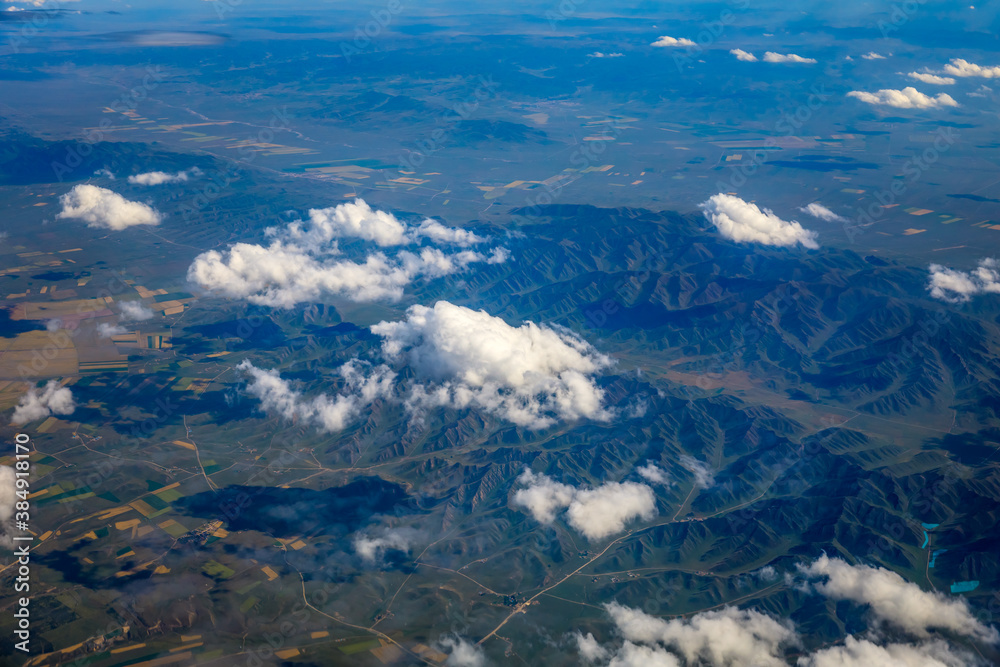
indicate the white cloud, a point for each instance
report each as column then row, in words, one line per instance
column 864, row 653
column 634, row 655
column 817, row 210
column 8, row 494
column 772, row 57
column 907, row 98
column 958, row 286
column 871, row 55
column 435, row 231
column 607, row 509
column 544, row 497
column 596, row 513
column 53, row 399
column 160, row 177
column 100, row 207
column 896, row 601
column 743, row 222
column 724, row 637
column 743, row 55
column 589, row 648
column 598, row 54
column 8, row 499
column 730, row 637
column 672, row 41
column 107, row 330
column 650, row 472
column 462, row 653
column 934, row 79
column 105, row 172
column 359, row 220
column 371, row 546
column 134, row 311
column 963, row 68
column 531, row 375
column 703, row 475
column 326, row 413
column 299, row 265
column 982, row 91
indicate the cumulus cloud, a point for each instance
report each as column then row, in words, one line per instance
column 672, row 41
column 359, row 220
column 745, row 56
column 635, row 655
column 53, row 399
column 744, row 222
column 102, row 208
column 596, row 513
column 607, row 509
column 531, row 375
column 161, row 177
column 871, row 55
column 958, row 286
column 772, row 57
column 107, row 330
column 300, row 265
column 589, row 648
column 864, row 653
column 703, row 475
column 544, row 497
column 598, row 54
column 817, row 210
column 134, row 311
column 282, row 276
column 934, row 79
column 651, row 473
column 435, row 231
column 963, row 68
column 728, row 636
column 8, row 498
column 896, row 601
column 371, row 546
column 907, row 98
column 8, row 493
column 462, row 653
column 329, row 414
column 982, row 91
column 105, row 172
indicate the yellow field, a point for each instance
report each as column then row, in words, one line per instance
column 52, row 356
